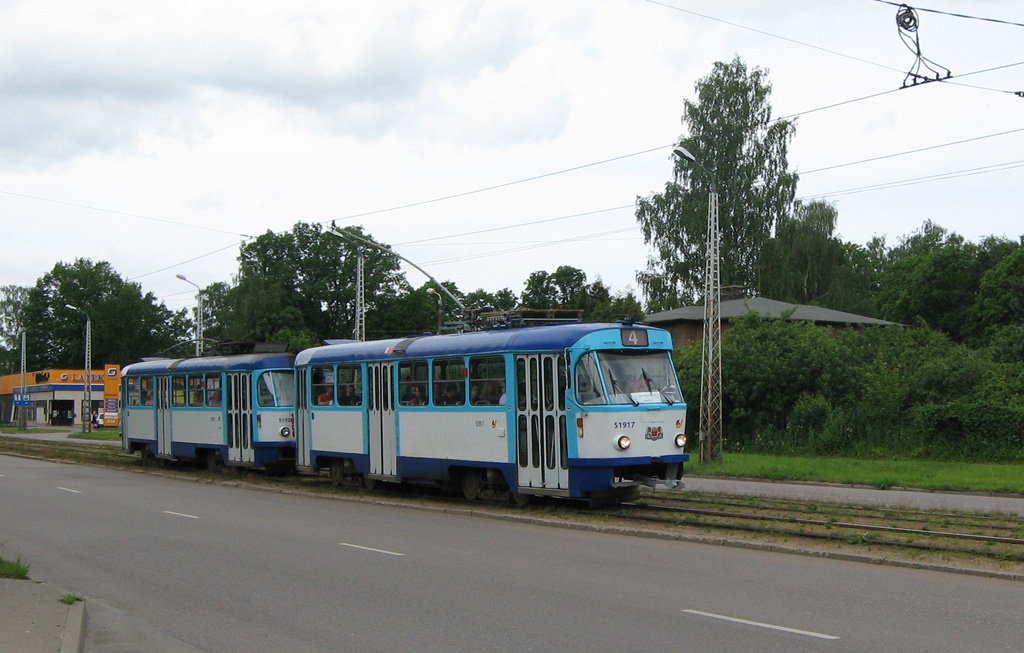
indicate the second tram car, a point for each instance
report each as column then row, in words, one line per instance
column 221, row 410
column 576, row 410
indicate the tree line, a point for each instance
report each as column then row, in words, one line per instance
column 296, row 287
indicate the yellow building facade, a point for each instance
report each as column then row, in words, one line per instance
column 56, row 397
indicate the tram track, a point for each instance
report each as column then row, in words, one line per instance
column 995, row 536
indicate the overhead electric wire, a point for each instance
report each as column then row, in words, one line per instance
column 955, row 15
column 947, row 80
column 920, row 149
column 122, row 213
column 968, row 172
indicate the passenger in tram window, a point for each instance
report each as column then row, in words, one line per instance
column 491, row 393
column 326, row 398
column 147, row 398
column 346, row 397
column 475, row 398
column 196, row 398
column 452, row 394
column 501, row 397
column 213, row 397
column 416, row 396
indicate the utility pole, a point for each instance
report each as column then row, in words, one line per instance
column 711, row 344
column 22, row 418
column 87, row 376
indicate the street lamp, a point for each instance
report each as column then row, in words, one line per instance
column 437, row 295
column 87, row 413
column 711, row 344
column 199, row 314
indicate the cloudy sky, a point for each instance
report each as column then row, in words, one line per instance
column 483, row 139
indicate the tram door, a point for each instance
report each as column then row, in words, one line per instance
column 302, row 444
column 163, row 416
column 541, row 446
column 239, row 422
column 380, row 410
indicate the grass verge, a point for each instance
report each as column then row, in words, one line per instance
column 97, row 435
column 883, row 474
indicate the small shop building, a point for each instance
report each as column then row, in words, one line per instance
column 56, row 397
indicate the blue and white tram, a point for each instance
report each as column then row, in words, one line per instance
column 576, row 410
column 221, row 410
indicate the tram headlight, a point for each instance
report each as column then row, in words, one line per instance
column 680, row 440
column 623, row 442
column 286, row 432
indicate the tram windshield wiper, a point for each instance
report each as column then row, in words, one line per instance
column 617, row 389
column 651, row 386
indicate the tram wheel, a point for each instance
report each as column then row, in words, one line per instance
column 369, row 483
column 337, row 469
column 472, row 484
column 519, row 499
column 146, row 456
column 214, row 461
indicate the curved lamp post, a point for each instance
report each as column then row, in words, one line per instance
column 87, row 372
column 711, row 344
column 199, row 314
column 437, row 295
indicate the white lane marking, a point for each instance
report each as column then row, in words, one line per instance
column 762, row 625
column 180, row 514
column 366, row 548
column 67, row 489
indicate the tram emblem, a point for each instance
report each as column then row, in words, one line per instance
column 654, row 433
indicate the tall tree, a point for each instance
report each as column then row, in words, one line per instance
column 732, row 134
column 309, row 277
column 1000, row 300
column 126, row 325
column 931, row 277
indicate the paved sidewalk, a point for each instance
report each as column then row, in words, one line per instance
column 34, row 619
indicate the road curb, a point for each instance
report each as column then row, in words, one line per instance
column 73, row 640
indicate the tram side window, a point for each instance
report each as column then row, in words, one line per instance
column 588, row 381
column 195, row 391
column 486, row 381
column 275, row 388
column 322, row 377
column 412, row 383
column 178, row 391
column 213, row 391
column 449, row 382
column 350, row 385
column 133, row 391
column 147, row 390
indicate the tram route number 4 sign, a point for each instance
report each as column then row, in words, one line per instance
column 22, row 399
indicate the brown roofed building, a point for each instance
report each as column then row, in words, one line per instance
column 687, row 324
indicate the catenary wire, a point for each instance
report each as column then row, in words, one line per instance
column 955, row 15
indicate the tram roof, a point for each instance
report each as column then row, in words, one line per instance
column 241, row 362
column 555, row 337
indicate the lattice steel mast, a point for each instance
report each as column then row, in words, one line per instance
column 711, row 343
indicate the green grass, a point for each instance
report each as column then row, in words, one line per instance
column 15, row 569
column 958, row 476
column 70, row 599
column 96, row 435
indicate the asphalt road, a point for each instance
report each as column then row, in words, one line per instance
column 231, row 569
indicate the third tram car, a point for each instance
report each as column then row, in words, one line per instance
column 576, row 410
column 221, row 410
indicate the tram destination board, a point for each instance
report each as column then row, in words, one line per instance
column 634, row 338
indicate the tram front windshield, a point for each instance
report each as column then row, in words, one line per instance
column 626, row 377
